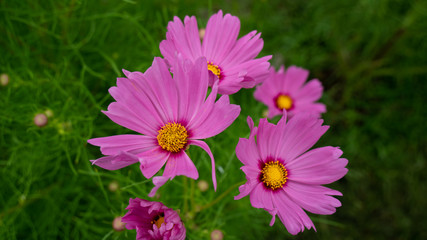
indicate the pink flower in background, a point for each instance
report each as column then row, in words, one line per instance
column 170, row 113
column 153, row 220
column 229, row 59
column 283, row 177
column 286, row 90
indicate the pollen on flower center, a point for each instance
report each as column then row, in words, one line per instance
column 172, row 137
column 284, row 102
column 158, row 220
column 215, row 69
column 274, row 175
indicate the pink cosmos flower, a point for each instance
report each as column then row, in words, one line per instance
column 287, row 91
column 229, row 59
column 170, row 113
column 153, row 221
column 282, row 177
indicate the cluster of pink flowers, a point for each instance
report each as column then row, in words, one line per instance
column 170, row 113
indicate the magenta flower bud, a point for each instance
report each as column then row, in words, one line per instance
column 40, row 120
column 153, row 220
column 217, row 235
column 118, row 225
column 4, row 79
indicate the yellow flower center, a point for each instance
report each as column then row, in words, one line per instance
column 284, row 102
column 172, row 137
column 274, row 175
column 214, row 69
column 158, row 220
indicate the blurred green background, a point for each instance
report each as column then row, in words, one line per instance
column 62, row 56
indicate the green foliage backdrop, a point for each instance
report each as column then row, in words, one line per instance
column 63, row 56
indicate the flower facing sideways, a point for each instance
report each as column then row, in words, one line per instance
column 153, row 221
column 283, row 177
column 285, row 90
column 170, row 113
column 229, row 59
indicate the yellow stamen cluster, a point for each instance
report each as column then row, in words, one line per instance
column 274, row 175
column 284, row 102
column 214, row 69
column 158, row 220
column 172, row 137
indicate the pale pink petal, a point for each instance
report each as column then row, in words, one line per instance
column 121, row 115
column 246, row 188
column 205, row 147
column 182, row 38
column 221, row 117
column 180, row 164
column 162, row 89
column 221, row 35
column 247, row 152
column 127, row 143
column 114, row 162
column 291, row 215
column 158, row 182
column 294, row 78
column 264, row 137
column 260, row 197
column 319, row 166
column 302, row 132
column 313, row 198
column 152, row 161
column 246, row 48
column 193, row 87
column 310, row 92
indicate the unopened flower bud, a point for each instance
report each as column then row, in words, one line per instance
column 118, row 225
column 4, row 79
column 202, row 33
column 202, row 185
column 217, row 235
column 40, row 120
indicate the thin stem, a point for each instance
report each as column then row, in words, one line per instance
column 224, row 194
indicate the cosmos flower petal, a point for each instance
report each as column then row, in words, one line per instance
column 193, row 86
column 246, row 188
column 302, row 132
column 310, row 92
column 247, row 152
column 264, row 136
column 123, row 116
column 221, row 117
column 134, row 101
column 205, row 147
column 313, row 198
column 158, row 182
column 319, row 166
column 152, row 161
column 162, row 89
column 128, row 143
column 114, row 162
column 295, row 78
column 261, row 197
column 246, row 48
column 180, row 164
column 221, row 35
column 292, row 215
column 182, row 36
